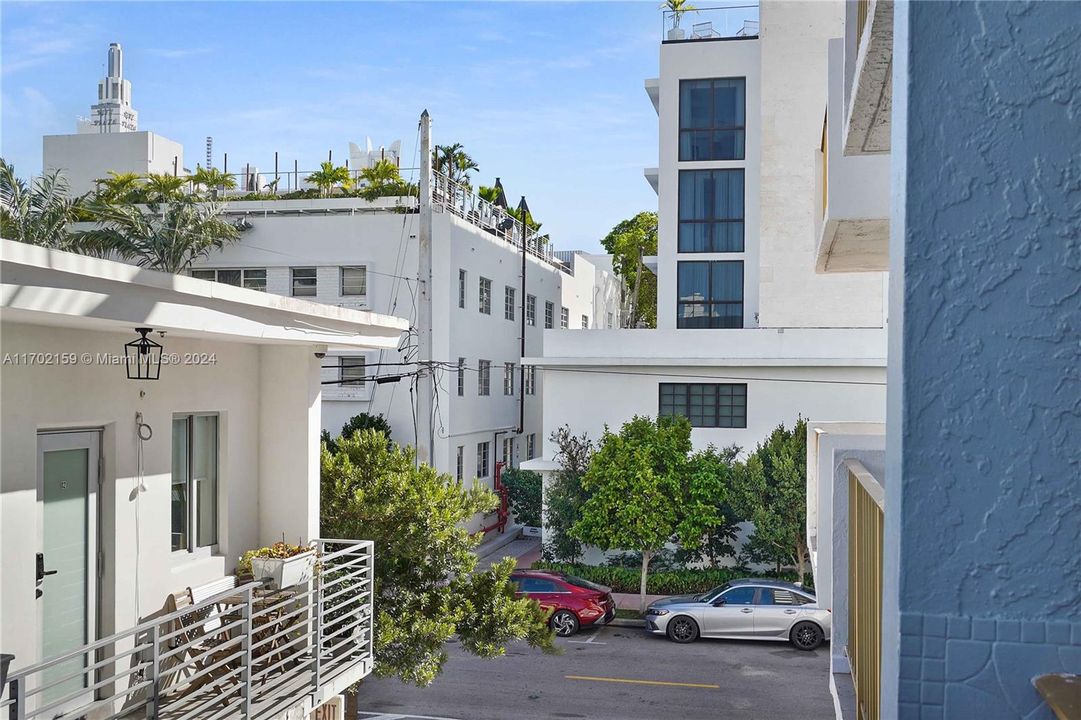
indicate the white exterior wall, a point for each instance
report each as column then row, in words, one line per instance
column 84, row 158
column 385, row 242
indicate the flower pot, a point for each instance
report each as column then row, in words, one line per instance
column 284, row 572
column 676, row 34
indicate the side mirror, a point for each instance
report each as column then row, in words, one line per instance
column 718, row 602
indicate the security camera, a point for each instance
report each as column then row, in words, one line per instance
column 320, row 355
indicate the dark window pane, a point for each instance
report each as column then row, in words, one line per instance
column 739, row 596
column 712, row 119
column 229, row 277
column 727, row 281
column 693, row 279
column 705, row 404
column 728, row 102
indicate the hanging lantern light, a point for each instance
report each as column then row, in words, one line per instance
column 142, row 357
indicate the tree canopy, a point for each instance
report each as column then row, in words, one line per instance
column 629, row 242
column 565, row 497
column 427, row 586
column 38, row 212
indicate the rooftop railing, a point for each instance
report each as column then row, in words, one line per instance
column 240, row 653
column 710, row 23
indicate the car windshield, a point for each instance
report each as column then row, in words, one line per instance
column 582, row 583
column 708, row 596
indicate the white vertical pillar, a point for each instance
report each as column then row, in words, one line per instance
column 426, row 380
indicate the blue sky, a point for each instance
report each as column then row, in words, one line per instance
column 548, row 96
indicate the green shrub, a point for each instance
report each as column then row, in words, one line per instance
column 672, row 582
column 524, row 493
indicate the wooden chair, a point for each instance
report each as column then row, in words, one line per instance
column 204, row 646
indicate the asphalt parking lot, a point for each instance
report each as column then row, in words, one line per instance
column 617, row 673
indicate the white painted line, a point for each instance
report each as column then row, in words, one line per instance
column 591, row 641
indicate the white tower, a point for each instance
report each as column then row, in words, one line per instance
column 113, row 112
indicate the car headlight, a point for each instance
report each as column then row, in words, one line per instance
column 656, row 611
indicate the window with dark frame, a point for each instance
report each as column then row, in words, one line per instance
column 484, row 377
column 304, row 282
column 709, row 294
column 461, row 377
column 459, row 466
column 531, row 310
column 250, row 278
column 712, row 119
column 194, row 491
column 549, row 315
column 711, row 211
column 531, row 380
column 351, row 370
column 712, row 405
column 482, row 459
column 585, row 322
column 354, row 280
column 508, row 378
column 531, row 446
column 508, row 302
column 485, row 296
column 461, row 288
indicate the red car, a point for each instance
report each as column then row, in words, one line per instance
column 571, row 601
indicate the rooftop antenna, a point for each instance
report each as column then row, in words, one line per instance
column 209, row 152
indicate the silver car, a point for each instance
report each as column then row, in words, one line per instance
column 743, row 609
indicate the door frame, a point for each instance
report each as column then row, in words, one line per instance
column 71, row 439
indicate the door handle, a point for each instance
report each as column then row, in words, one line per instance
column 41, row 571
column 746, row 610
column 789, row 612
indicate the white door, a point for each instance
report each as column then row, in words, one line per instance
column 67, row 566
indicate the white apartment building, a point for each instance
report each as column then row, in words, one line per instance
column 358, row 254
column 110, row 138
column 748, row 335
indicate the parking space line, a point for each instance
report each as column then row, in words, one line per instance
column 643, row 682
column 591, row 640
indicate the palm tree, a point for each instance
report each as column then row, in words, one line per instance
column 163, row 188
column 328, row 176
column 212, row 178
column 167, row 238
column 120, row 187
column 491, row 194
column 384, row 172
column 678, row 8
column 454, row 162
column 38, row 213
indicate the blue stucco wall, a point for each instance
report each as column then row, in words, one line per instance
column 989, row 582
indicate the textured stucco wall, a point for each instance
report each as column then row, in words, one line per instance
column 987, row 471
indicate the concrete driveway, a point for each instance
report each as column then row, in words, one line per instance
column 617, row 673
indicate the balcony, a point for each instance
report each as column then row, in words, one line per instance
column 652, row 177
column 653, row 89
column 710, row 23
column 240, row 653
column 869, row 40
column 864, row 644
column 854, row 192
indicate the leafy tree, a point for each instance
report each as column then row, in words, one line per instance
column 770, row 490
column 566, row 496
column 162, row 237
column 628, row 242
column 212, row 179
column 647, row 492
column 162, row 188
column 366, row 421
column 524, row 493
column 120, row 187
column 454, row 162
column 37, row 213
column 718, row 541
column 384, row 179
column 491, row 194
column 328, row 176
column 427, row 587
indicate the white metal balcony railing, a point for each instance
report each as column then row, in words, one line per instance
column 236, row 654
column 711, row 23
column 459, row 199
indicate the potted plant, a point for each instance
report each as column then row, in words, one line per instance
column 677, row 8
column 285, row 565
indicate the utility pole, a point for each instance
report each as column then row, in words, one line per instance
column 426, row 378
column 523, row 213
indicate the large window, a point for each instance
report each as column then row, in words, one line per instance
column 482, row 459
column 351, row 370
column 354, row 280
column 710, row 294
column 484, row 377
column 304, row 282
column 712, row 115
column 508, row 302
column 713, row 405
column 194, row 491
column 485, row 296
column 250, row 278
column 711, row 211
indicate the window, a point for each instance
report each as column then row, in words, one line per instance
column 250, row 278
column 742, row 595
column 461, row 377
column 354, row 280
column 564, row 318
column 711, row 211
column 461, row 288
column 531, row 310
column 531, row 446
column 585, row 322
column 531, row 380
column 459, row 464
column 549, row 315
column 304, row 282
column 508, row 378
column 194, row 491
column 351, row 370
column 482, row 460
column 712, row 119
column 611, row 319
column 779, row 596
column 508, row 452
column 717, row 405
column 508, row 303
column 710, row 294
column 484, row 377
column 538, row 585
column 485, row 296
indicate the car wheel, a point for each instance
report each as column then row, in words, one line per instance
column 682, row 629
column 806, row 636
column 565, row 623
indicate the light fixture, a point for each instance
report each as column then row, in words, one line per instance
column 142, row 357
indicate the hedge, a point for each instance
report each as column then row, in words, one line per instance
column 675, row 582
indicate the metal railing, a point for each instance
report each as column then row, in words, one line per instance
column 866, row 511
column 237, row 654
column 459, row 199
column 707, row 23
